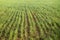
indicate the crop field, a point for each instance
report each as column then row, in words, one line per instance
column 29, row 19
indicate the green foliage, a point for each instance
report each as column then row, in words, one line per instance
column 29, row 19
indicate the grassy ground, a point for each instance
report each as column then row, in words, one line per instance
column 29, row 20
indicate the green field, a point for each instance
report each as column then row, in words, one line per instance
column 29, row 19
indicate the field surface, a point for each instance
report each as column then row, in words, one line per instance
column 29, row 19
